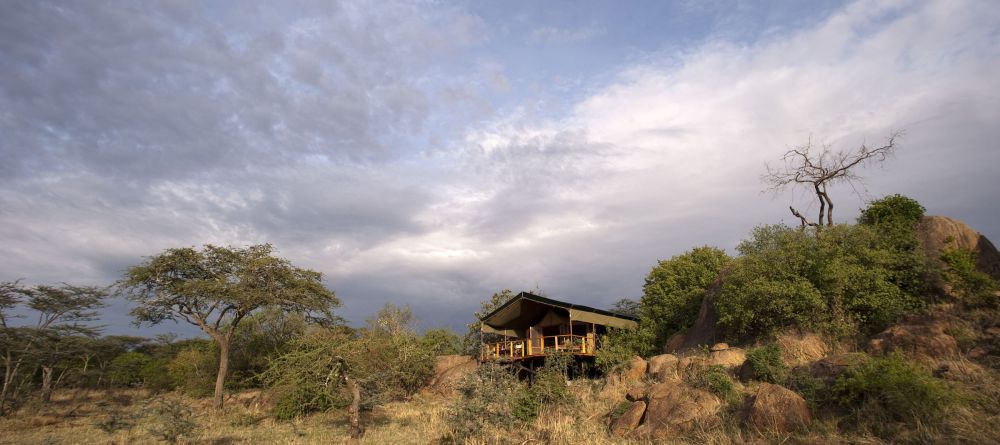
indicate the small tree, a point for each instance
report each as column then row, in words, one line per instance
column 820, row 168
column 60, row 312
column 218, row 287
column 474, row 337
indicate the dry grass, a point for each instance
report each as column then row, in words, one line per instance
column 72, row 419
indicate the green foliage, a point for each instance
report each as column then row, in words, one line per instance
column 170, row 420
column 260, row 338
column 126, row 369
column 893, row 208
column 474, row 336
column 441, row 342
column 968, row 283
column 675, row 287
column 716, row 379
column 490, row 396
column 218, row 287
column 549, row 386
column 156, row 376
column 843, row 277
column 892, row 387
column 386, row 360
column 627, row 307
column 894, row 218
column 193, row 369
column 618, row 346
column 766, row 364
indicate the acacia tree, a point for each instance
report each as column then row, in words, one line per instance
column 217, row 287
column 821, row 167
column 60, row 311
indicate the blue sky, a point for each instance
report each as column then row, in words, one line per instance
column 430, row 153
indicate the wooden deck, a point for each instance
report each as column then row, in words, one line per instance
column 520, row 349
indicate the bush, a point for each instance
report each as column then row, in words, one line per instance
column 766, row 364
column 156, row 376
column 969, row 284
column 717, row 380
column 845, row 276
column 675, row 287
column 126, row 369
column 618, row 346
column 194, row 370
column 549, row 386
column 170, row 420
column 892, row 209
column 490, row 396
column 441, row 342
column 893, row 387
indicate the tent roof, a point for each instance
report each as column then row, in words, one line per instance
column 526, row 309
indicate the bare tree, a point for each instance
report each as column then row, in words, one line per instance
column 821, row 167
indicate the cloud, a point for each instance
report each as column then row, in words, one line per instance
column 555, row 35
column 348, row 138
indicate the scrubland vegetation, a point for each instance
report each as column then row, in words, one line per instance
column 294, row 377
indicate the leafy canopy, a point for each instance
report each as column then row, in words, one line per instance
column 216, row 283
column 675, row 287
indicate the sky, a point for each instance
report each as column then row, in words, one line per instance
column 430, row 153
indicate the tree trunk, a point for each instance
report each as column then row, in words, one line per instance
column 822, row 204
column 46, row 384
column 354, row 411
column 220, row 378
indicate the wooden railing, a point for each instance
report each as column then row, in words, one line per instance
column 521, row 348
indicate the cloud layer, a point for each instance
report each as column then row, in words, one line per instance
column 363, row 143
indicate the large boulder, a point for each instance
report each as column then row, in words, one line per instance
column 728, row 358
column 663, row 367
column 919, row 339
column 827, row 369
column 635, row 370
column 776, row 408
column 627, row 422
column 448, row 370
column 636, row 393
column 939, row 233
column 801, row 348
column 673, row 407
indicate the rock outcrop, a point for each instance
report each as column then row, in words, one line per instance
column 938, row 233
column 919, row 339
column 827, row 369
column 629, row 420
column 729, row 358
column 776, row 408
column 801, row 348
column 663, row 367
column 673, row 408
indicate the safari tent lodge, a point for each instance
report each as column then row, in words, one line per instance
column 531, row 326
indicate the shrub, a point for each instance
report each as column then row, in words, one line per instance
column 675, row 287
column 126, row 369
column 193, row 370
column 441, row 342
column 156, row 376
column 751, row 305
column 490, row 396
column 766, row 364
column 618, row 346
column 969, row 284
column 893, row 387
column 845, row 276
column 170, row 420
column 891, row 209
column 717, row 380
column 549, row 386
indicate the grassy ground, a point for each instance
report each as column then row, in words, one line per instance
column 73, row 417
